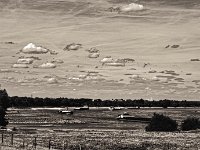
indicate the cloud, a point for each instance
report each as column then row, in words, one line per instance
column 93, row 55
column 25, row 61
column 33, row 49
column 20, row 66
column 131, row 7
column 46, row 65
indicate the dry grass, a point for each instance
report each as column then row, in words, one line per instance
column 96, row 129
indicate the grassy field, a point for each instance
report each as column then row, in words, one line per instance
column 96, row 128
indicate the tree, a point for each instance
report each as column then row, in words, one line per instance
column 4, row 102
column 4, row 99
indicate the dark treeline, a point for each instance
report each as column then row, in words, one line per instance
column 16, row 101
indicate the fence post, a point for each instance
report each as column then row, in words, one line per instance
column 63, row 145
column 80, row 147
column 49, row 144
column 35, row 142
column 12, row 139
column 23, row 144
column 2, row 138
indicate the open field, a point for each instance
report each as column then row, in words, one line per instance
column 160, row 42
column 97, row 128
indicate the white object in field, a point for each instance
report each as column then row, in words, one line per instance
column 107, row 60
column 20, row 66
column 52, row 80
column 131, row 7
column 93, row 55
column 25, row 61
column 33, row 49
column 47, row 65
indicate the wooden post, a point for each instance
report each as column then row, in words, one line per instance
column 23, row 144
column 2, row 138
column 80, row 147
column 49, row 144
column 35, row 142
column 12, row 139
column 64, row 145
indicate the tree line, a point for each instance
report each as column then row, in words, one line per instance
column 16, row 101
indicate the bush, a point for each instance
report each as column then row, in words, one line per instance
column 190, row 123
column 160, row 122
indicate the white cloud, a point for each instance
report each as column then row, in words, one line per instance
column 47, row 65
column 33, row 49
column 20, row 66
column 25, row 61
column 131, row 7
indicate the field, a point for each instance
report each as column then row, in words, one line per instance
column 162, row 40
column 96, row 128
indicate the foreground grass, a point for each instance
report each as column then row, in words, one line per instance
column 96, row 130
column 87, row 139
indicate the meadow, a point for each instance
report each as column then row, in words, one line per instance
column 96, row 128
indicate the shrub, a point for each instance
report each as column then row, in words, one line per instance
column 160, row 122
column 190, row 123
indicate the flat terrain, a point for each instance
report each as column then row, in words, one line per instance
column 139, row 35
column 97, row 128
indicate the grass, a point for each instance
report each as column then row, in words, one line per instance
column 97, row 129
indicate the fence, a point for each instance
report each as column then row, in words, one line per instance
column 67, row 141
column 34, row 142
